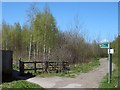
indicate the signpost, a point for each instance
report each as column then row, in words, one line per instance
column 110, row 52
column 104, row 45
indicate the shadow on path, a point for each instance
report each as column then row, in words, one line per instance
column 16, row 76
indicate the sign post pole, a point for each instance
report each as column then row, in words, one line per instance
column 109, row 64
column 110, row 52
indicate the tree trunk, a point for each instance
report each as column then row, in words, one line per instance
column 37, row 51
column 34, row 53
column 44, row 45
column 38, row 46
column 49, row 54
column 30, row 48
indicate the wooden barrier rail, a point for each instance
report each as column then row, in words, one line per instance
column 45, row 66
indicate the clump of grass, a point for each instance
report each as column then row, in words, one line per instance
column 114, row 78
column 21, row 84
column 84, row 67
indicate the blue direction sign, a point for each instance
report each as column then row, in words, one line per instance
column 104, row 45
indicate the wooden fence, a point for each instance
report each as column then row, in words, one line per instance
column 44, row 66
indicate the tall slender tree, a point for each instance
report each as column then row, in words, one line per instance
column 32, row 11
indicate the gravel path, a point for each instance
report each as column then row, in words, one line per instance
column 90, row 79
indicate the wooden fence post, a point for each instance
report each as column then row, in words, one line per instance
column 46, row 66
column 21, row 67
column 35, row 66
column 63, row 66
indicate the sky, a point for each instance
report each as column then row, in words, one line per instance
column 98, row 19
column 60, row 0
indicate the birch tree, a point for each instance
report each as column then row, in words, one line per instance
column 31, row 13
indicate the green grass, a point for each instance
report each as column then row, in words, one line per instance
column 85, row 67
column 20, row 84
column 74, row 70
column 114, row 82
column 114, row 78
column 15, row 67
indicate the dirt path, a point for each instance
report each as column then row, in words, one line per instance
column 90, row 79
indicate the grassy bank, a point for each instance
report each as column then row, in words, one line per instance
column 74, row 69
column 20, row 84
column 114, row 78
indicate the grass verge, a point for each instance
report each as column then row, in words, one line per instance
column 20, row 84
column 114, row 78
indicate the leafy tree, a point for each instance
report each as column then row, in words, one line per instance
column 17, row 29
column 5, row 29
column 25, row 39
column 31, row 13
